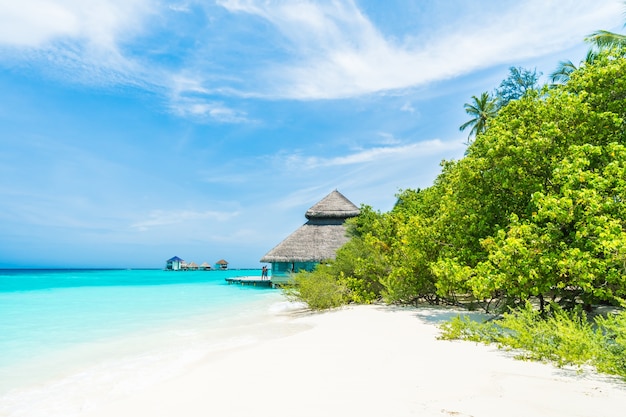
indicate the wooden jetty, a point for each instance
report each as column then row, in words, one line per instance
column 254, row 281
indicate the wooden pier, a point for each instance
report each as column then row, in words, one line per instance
column 254, row 281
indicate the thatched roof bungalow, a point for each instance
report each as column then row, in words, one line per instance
column 315, row 241
column 222, row 264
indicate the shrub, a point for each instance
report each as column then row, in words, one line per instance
column 562, row 337
column 464, row 328
column 612, row 355
column 318, row 289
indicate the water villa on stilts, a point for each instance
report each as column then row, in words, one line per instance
column 178, row 264
column 221, row 264
column 315, row 241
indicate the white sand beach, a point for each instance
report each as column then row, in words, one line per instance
column 372, row 361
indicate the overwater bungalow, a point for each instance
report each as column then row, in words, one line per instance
column 205, row 266
column 221, row 264
column 192, row 266
column 315, row 241
column 174, row 264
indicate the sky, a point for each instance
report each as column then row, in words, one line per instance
column 132, row 131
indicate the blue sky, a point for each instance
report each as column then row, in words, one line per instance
column 136, row 130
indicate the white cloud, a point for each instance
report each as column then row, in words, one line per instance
column 364, row 176
column 77, row 41
column 378, row 155
column 190, row 99
column 201, row 109
column 37, row 23
column 159, row 218
column 33, row 22
column 408, row 107
column 340, row 53
column 324, row 49
column 389, row 139
column 180, row 7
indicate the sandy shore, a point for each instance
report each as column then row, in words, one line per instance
column 372, row 361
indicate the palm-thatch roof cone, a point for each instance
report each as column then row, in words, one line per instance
column 318, row 239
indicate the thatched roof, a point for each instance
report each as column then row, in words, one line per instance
column 221, row 262
column 334, row 205
column 320, row 237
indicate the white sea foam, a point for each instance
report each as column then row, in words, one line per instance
column 287, row 306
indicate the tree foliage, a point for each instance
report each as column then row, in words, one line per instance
column 535, row 210
column 603, row 39
column 519, row 82
column 544, row 189
column 600, row 40
column 565, row 69
column 482, row 109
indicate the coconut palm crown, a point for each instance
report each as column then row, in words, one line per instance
column 482, row 109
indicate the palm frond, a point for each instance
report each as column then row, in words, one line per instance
column 603, row 39
column 467, row 124
column 481, row 109
column 591, row 57
column 562, row 73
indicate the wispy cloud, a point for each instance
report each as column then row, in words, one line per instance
column 205, row 110
column 322, row 49
column 379, row 155
column 338, row 52
column 365, row 175
column 84, row 39
column 408, row 107
column 388, row 139
column 101, row 24
column 159, row 218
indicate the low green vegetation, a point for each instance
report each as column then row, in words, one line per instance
column 534, row 211
column 321, row 291
column 558, row 336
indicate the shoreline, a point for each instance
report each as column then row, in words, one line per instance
column 88, row 375
column 370, row 361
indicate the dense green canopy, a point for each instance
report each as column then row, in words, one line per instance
column 535, row 210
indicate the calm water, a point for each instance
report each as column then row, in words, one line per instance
column 57, row 324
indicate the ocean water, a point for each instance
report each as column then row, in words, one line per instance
column 72, row 338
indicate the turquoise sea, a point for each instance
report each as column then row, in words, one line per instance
column 71, row 337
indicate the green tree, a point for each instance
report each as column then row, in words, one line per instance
column 565, row 69
column 536, row 209
column 414, row 247
column 600, row 40
column 482, row 109
column 519, row 82
column 547, row 180
column 603, row 39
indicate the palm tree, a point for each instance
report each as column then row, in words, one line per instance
column 565, row 69
column 600, row 40
column 603, row 39
column 482, row 109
